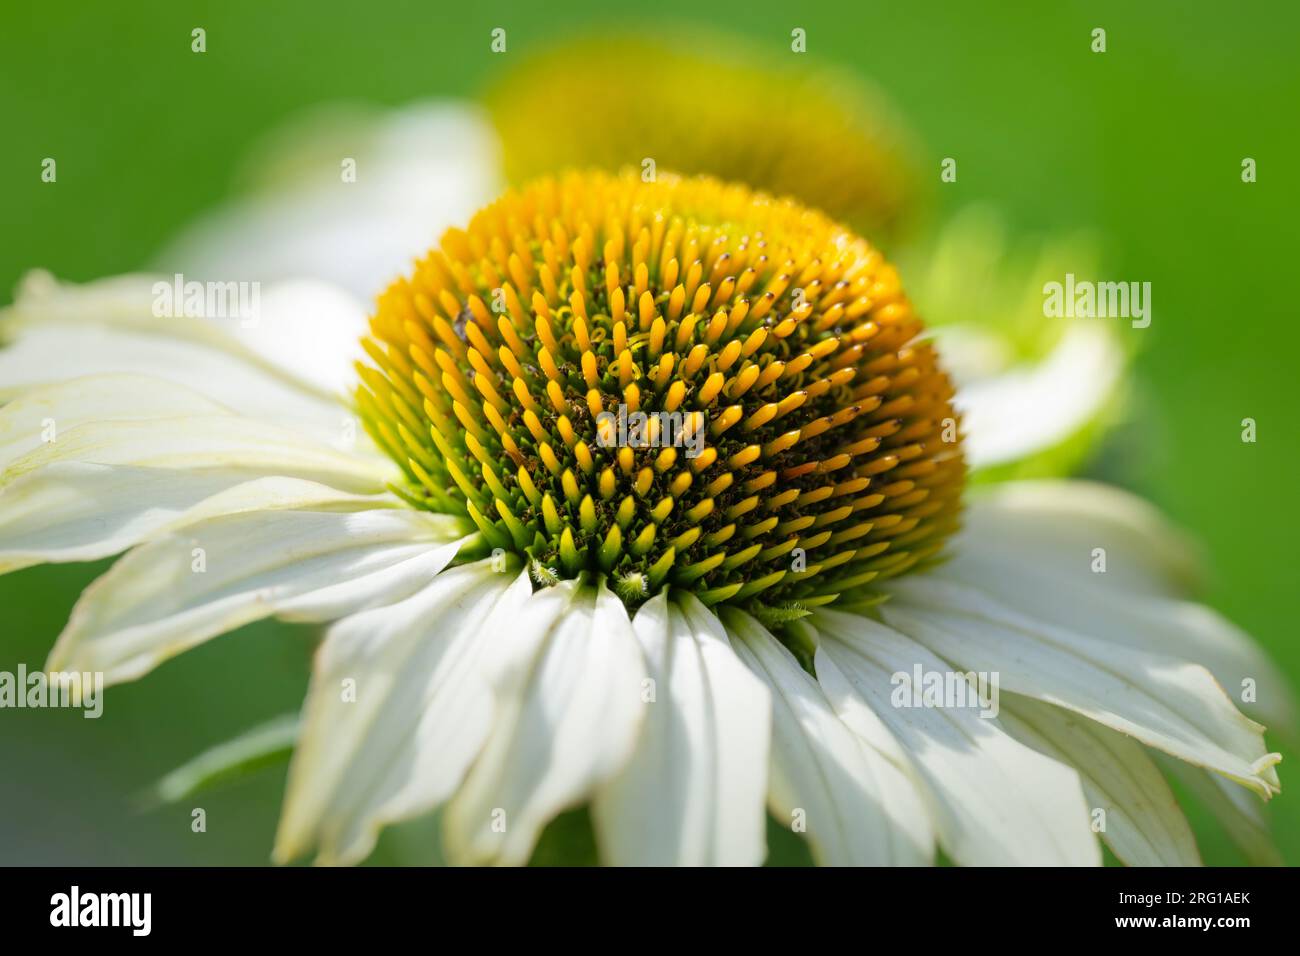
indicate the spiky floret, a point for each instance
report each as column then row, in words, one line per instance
column 712, row 105
column 827, row 444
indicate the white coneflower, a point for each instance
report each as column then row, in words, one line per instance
column 533, row 612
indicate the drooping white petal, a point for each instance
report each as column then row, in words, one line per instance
column 566, row 672
column 1027, row 409
column 40, row 416
column 1032, row 545
column 72, row 511
column 396, row 712
column 994, row 801
column 55, row 332
column 1142, row 822
column 174, row 592
column 49, row 355
column 196, row 442
column 92, row 465
column 693, row 792
column 417, row 171
column 1175, row 628
column 103, row 486
column 279, row 494
column 859, row 807
column 1059, row 525
column 1239, row 811
column 1166, row 703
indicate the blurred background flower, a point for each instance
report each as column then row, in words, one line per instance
column 698, row 101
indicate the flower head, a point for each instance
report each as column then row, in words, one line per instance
column 678, row 382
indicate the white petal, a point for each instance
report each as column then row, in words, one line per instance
column 567, row 677
column 1164, row 702
column 419, row 710
column 38, row 417
column 196, row 442
column 70, row 511
column 310, row 328
column 1174, row 628
column 280, row 494
column 1031, row 546
column 1029, row 409
column 860, row 808
column 418, row 171
column 994, row 801
column 104, row 486
column 1057, row 525
column 55, row 332
column 1143, row 824
column 303, row 565
column 1239, row 811
column 693, row 792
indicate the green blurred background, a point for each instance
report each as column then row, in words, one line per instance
column 1142, row 146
